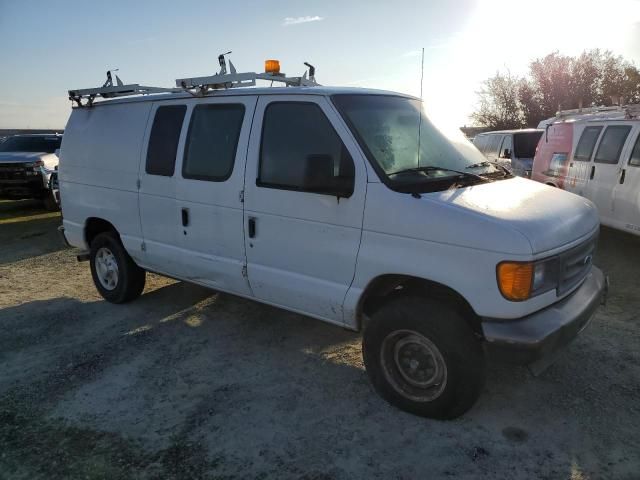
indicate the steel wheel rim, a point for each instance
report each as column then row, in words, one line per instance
column 413, row 365
column 106, row 268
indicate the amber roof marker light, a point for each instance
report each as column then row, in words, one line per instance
column 272, row 67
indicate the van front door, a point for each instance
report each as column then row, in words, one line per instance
column 209, row 184
column 626, row 203
column 302, row 234
column 605, row 170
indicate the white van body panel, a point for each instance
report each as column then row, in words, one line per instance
column 443, row 234
column 100, row 171
column 312, row 254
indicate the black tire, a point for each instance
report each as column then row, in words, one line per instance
column 396, row 354
column 129, row 279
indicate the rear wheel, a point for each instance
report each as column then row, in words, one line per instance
column 115, row 274
column 422, row 357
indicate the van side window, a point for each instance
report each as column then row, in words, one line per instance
column 635, row 155
column 163, row 141
column 210, row 151
column 299, row 145
column 586, row 144
column 611, row 144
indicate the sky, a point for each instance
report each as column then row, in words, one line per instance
column 47, row 48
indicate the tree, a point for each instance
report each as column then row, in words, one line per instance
column 551, row 75
column 556, row 82
column 498, row 106
column 530, row 103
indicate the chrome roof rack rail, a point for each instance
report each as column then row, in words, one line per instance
column 197, row 86
column 109, row 90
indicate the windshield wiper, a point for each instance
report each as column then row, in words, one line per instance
column 486, row 163
column 431, row 168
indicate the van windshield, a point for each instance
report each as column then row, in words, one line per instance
column 387, row 128
column 524, row 144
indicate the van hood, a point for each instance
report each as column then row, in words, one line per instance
column 546, row 216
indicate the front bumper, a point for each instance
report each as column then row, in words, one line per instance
column 31, row 187
column 536, row 338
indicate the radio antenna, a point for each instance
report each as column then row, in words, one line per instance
column 420, row 111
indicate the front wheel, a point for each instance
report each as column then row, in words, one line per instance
column 115, row 274
column 422, row 357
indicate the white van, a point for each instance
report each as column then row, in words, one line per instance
column 596, row 155
column 324, row 201
column 512, row 149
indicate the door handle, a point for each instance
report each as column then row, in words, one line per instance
column 185, row 217
column 593, row 172
column 622, row 175
column 252, row 227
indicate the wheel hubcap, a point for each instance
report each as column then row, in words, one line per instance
column 106, row 268
column 413, row 365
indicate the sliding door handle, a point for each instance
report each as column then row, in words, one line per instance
column 593, row 172
column 185, row 217
column 252, row 227
column 622, row 175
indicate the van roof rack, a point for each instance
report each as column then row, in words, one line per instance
column 630, row 111
column 197, row 86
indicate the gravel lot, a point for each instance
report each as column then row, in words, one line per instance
column 190, row 383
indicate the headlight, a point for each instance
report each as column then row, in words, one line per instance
column 520, row 281
column 35, row 165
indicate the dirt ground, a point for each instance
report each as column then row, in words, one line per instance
column 189, row 383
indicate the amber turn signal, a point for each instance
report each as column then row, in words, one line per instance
column 515, row 280
column 272, row 66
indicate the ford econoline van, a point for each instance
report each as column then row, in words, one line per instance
column 598, row 159
column 512, row 149
column 343, row 204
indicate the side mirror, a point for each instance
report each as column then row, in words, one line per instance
column 506, row 153
column 320, row 176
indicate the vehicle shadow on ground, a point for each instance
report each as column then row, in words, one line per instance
column 27, row 230
column 190, row 383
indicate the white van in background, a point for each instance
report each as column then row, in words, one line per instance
column 596, row 154
column 322, row 201
column 512, row 149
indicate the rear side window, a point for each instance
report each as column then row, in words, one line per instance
column 611, row 144
column 586, row 143
column 294, row 137
column 163, row 142
column 212, row 141
column 635, row 155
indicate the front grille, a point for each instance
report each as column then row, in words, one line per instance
column 12, row 172
column 575, row 264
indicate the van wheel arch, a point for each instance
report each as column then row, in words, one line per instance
column 389, row 287
column 95, row 226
